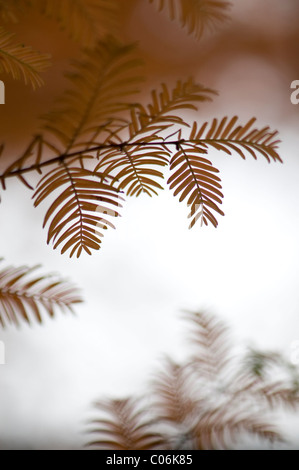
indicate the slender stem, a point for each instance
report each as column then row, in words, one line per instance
column 111, row 145
column 63, row 157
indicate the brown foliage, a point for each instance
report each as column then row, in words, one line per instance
column 213, row 400
column 102, row 142
column 25, row 297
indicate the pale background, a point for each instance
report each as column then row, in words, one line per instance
column 152, row 266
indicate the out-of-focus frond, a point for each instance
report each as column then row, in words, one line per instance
column 267, row 376
column 124, row 426
column 207, row 402
column 278, row 394
column 20, row 61
column 84, row 20
column 102, row 82
column 210, row 339
column 258, row 363
column 24, row 297
column 220, row 428
column 196, row 16
column 9, row 11
column 31, row 156
column 175, row 400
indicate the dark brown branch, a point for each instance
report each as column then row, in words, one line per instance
column 61, row 158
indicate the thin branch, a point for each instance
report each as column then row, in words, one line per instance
column 61, row 158
column 112, row 145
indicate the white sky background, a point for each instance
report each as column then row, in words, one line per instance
column 149, row 269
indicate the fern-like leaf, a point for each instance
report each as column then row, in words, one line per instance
column 227, row 136
column 24, row 297
column 195, row 15
column 195, row 179
column 81, row 211
column 126, row 427
column 20, row 61
column 165, row 105
column 135, row 166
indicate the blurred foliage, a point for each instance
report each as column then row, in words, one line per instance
column 215, row 399
column 25, row 297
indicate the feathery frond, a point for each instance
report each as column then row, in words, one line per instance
column 86, row 21
column 165, row 105
column 174, row 393
column 195, row 178
column 8, row 11
column 196, row 15
column 81, row 211
column 162, row 112
column 101, row 81
column 228, row 135
column 24, row 297
column 135, row 166
column 131, row 165
column 211, row 346
column 22, row 62
column 126, row 427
